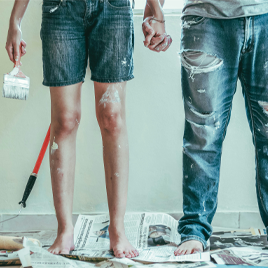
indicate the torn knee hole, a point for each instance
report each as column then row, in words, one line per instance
column 264, row 106
column 202, row 115
column 199, row 62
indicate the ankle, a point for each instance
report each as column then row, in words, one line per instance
column 65, row 229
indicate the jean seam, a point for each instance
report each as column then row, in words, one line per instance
column 255, row 144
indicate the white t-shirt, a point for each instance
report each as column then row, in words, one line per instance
column 225, row 9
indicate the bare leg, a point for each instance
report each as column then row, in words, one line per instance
column 110, row 111
column 65, row 117
column 189, row 247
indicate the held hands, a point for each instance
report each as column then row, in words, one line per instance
column 15, row 45
column 156, row 38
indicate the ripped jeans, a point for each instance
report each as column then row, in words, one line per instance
column 214, row 54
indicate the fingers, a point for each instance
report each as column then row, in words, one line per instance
column 16, row 55
column 148, row 31
column 164, row 45
column 9, row 50
column 23, row 47
column 156, row 40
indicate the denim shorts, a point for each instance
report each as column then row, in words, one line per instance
column 74, row 31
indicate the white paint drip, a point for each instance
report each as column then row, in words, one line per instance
column 58, row 170
column 186, row 176
column 15, row 71
column 116, row 174
column 192, row 165
column 201, row 90
column 110, row 96
column 217, row 125
column 266, row 65
column 204, row 206
column 54, row 147
column 119, row 146
column 77, row 122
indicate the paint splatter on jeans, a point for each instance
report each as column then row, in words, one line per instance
column 215, row 53
column 74, row 32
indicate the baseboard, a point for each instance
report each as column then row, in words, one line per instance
column 234, row 220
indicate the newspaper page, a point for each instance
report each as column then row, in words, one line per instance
column 133, row 264
column 241, row 256
column 9, row 258
column 166, row 254
column 154, row 235
column 143, row 230
column 253, row 238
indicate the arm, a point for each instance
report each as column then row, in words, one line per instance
column 153, row 9
column 15, row 46
column 153, row 26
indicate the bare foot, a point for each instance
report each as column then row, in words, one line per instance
column 120, row 244
column 63, row 244
column 189, row 247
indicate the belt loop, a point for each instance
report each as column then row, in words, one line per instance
column 133, row 4
column 63, row 2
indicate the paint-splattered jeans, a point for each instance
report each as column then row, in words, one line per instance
column 214, row 54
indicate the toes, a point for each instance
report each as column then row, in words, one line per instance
column 64, row 251
column 182, row 252
column 196, row 250
column 127, row 254
column 119, row 254
column 178, row 252
column 135, row 252
column 188, row 251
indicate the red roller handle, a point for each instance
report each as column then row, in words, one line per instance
column 42, row 153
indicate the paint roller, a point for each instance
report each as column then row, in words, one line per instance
column 15, row 243
column 33, row 176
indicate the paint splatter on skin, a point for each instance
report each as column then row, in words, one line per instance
column 116, row 174
column 58, row 170
column 110, row 96
column 54, row 147
column 77, row 122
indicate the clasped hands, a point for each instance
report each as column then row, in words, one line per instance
column 156, row 38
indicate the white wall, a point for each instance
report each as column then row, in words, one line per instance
column 155, row 125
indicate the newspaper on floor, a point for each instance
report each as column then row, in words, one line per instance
column 143, row 230
column 241, row 256
column 132, row 264
column 154, row 235
column 253, row 238
column 166, row 254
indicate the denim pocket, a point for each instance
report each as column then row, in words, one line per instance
column 193, row 20
column 119, row 4
column 50, row 6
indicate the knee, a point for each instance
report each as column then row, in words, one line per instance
column 110, row 118
column 66, row 122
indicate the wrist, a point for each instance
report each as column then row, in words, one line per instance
column 14, row 22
